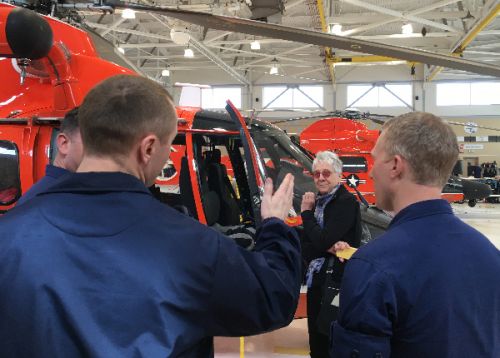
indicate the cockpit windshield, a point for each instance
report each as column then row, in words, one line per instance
column 281, row 156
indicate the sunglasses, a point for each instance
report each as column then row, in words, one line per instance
column 326, row 174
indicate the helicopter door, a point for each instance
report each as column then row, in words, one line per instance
column 253, row 165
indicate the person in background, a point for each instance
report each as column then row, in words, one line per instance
column 331, row 221
column 68, row 157
column 428, row 287
column 95, row 266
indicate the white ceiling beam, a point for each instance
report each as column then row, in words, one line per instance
column 373, row 18
column 415, row 35
column 400, row 16
column 490, row 12
column 281, row 54
column 113, row 26
column 469, row 52
column 320, row 70
column 129, row 31
column 290, row 5
column 254, row 54
column 205, row 51
column 217, row 37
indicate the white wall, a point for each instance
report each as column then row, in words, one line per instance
column 335, row 98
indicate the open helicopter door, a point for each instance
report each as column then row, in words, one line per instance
column 256, row 177
column 253, row 164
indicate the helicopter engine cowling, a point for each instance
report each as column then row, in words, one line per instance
column 24, row 34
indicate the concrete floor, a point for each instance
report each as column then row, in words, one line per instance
column 292, row 341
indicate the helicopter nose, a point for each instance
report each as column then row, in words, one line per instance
column 475, row 190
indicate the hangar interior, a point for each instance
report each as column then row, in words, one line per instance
column 279, row 79
column 276, row 80
column 294, row 83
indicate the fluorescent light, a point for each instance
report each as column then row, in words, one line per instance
column 255, row 45
column 128, row 14
column 165, row 73
column 336, row 29
column 121, row 50
column 407, row 29
column 188, row 53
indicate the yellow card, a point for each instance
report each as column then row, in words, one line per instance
column 347, row 253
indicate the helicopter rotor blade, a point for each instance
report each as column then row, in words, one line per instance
column 259, row 28
column 473, row 125
column 378, row 119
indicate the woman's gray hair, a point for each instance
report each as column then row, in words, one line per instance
column 331, row 158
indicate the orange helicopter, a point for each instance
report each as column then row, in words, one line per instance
column 344, row 133
column 48, row 67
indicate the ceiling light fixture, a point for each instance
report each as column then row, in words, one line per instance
column 407, row 29
column 128, row 14
column 188, row 53
column 336, row 29
column 255, row 45
column 121, row 50
column 180, row 35
column 274, row 67
column 165, row 73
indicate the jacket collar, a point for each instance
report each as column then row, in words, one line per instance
column 421, row 209
column 97, row 182
column 55, row 172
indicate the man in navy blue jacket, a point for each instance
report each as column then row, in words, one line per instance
column 428, row 287
column 67, row 159
column 96, row 267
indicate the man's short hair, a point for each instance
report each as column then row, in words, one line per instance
column 122, row 109
column 427, row 143
column 331, row 158
column 69, row 124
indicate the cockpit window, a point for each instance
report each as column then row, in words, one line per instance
column 10, row 184
column 281, row 156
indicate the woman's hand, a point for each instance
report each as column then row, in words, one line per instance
column 338, row 246
column 308, row 201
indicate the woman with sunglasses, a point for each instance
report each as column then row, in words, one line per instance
column 332, row 221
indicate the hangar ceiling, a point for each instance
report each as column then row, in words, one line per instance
column 152, row 43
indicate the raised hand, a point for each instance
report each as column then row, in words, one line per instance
column 279, row 204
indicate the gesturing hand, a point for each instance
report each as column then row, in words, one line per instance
column 279, row 204
column 308, row 201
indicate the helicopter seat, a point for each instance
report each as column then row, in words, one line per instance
column 210, row 199
column 243, row 235
column 218, row 182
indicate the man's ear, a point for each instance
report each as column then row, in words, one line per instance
column 398, row 166
column 147, row 148
column 62, row 142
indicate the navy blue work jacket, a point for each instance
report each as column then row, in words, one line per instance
column 429, row 287
column 96, row 267
column 52, row 174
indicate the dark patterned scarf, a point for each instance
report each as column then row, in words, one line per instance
column 321, row 202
